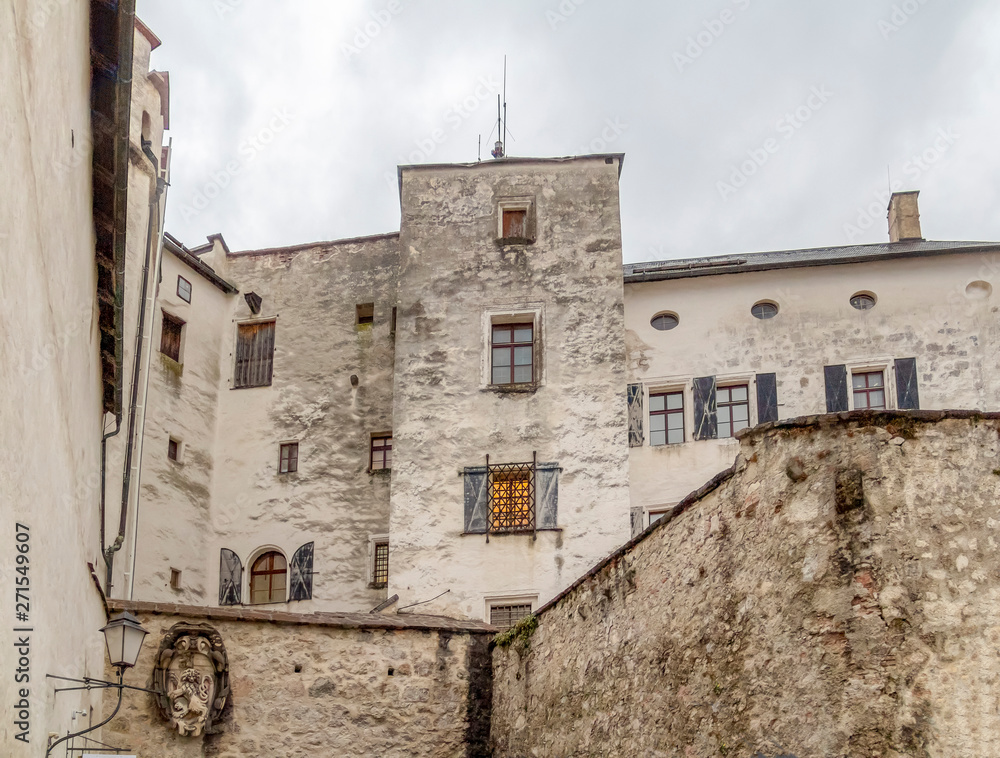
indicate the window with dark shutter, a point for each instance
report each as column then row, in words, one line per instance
column 907, row 397
column 705, row 419
column 635, row 415
column 254, row 355
column 230, row 578
column 301, row 573
column 835, row 378
column 170, row 337
column 767, row 398
column 268, row 578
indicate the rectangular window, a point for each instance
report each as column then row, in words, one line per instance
column 869, row 390
column 513, row 354
column 170, row 337
column 380, row 564
column 381, row 453
column 515, row 223
column 254, row 354
column 175, row 579
column 505, row 616
column 183, row 289
column 288, row 460
column 365, row 313
column 655, row 516
column 666, row 418
column 173, row 449
column 733, row 409
column 512, row 497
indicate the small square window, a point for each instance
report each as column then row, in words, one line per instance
column 513, row 354
column 655, row 516
column 175, row 579
column 170, row 337
column 733, row 408
column 515, row 223
column 666, row 418
column 288, row 461
column 380, row 457
column 366, row 313
column 380, row 564
column 505, row 616
column 183, row 289
column 173, row 449
column 869, row 390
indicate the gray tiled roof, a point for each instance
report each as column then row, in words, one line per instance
column 817, row 256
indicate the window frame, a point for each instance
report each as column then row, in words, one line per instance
column 512, row 346
column 509, row 599
column 884, row 364
column 364, row 315
column 532, row 313
column 386, row 452
column 169, row 318
column 190, row 289
column 730, row 385
column 292, row 460
column 374, row 541
column 867, row 390
column 178, row 449
column 250, row 574
column 516, row 204
column 240, row 325
column 515, row 517
column 666, row 413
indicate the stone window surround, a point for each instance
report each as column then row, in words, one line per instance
column 248, row 570
column 374, row 539
column 509, row 597
column 513, row 314
column 524, row 203
column 679, row 384
column 660, row 510
column 888, row 369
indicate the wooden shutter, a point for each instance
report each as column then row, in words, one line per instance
column 230, row 578
column 705, row 418
column 170, row 337
column 907, row 397
column 476, row 499
column 636, row 517
column 546, row 495
column 635, row 415
column 836, row 388
column 254, row 355
column 767, row 398
column 301, row 571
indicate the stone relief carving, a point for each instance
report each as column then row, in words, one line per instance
column 192, row 678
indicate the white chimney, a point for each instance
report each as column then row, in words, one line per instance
column 904, row 217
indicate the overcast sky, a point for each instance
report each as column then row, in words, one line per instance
column 747, row 124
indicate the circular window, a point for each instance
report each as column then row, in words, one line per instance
column 764, row 309
column 863, row 301
column 979, row 290
column 664, row 321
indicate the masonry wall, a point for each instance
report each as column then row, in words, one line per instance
column 455, row 277
column 927, row 308
column 834, row 595
column 366, row 685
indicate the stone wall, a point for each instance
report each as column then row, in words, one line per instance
column 323, row 685
column 834, row 594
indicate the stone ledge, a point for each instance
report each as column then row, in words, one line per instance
column 335, row 620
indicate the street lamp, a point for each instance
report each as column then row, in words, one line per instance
column 123, row 636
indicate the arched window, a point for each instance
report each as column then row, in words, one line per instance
column 268, row 578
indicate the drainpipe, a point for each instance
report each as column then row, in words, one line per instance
column 109, row 552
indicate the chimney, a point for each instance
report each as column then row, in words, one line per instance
column 904, row 218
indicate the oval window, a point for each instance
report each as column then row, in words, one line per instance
column 979, row 290
column 664, row 321
column 863, row 301
column 764, row 309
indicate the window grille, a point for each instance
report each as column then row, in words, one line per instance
column 512, row 497
column 380, row 567
column 254, row 355
column 505, row 616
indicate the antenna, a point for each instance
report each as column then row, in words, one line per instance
column 498, row 148
column 479, row 150
column 505, row 101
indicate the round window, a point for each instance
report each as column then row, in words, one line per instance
column 764, row 309
column 863, row 301
column 664, row 321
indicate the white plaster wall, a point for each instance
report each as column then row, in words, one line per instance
column 451, row 273
column 51, row 406
column 922, row 312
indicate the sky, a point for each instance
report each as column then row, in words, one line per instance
column 747, row 125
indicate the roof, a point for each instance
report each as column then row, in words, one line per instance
column 685, row 268
column 197, row 264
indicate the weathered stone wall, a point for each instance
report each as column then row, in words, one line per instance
column 834, row 594
column 323, row 685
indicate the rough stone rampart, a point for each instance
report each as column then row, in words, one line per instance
column 834, row 594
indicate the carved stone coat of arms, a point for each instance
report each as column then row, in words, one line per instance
column 192, row 678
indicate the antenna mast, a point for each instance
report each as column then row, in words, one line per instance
column 498, row 148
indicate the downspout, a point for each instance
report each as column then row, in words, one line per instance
column 109, row 553
column 123, row 98
column 162, row 186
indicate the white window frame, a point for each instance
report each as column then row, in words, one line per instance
column 661, row 509
column 514, row 314
column 888, row 369
column 374, row 539
column 523, row 597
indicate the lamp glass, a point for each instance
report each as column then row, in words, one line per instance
column 124, row 636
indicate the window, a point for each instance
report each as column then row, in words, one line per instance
column 380, row 563
column 380, row 457
column 664, row 321
column 175, row 579
column 254, row 354
column 764, row 310
column 173, row 449
column 733, row 408
column 513, row 354
column 655, row 516
column 505, row 616
column 869, row 390
column 267, row 578
column 365, row 313
column 170, row 337
column 288, row 458
column 512, row 497
column 666, row 418
column 183, row 289
column 516, row 224
column 863, row 301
